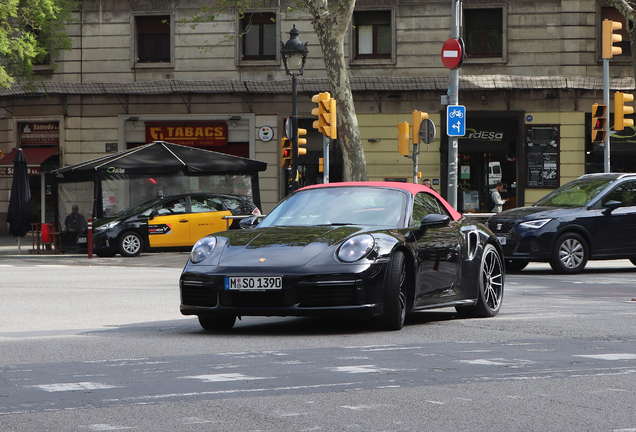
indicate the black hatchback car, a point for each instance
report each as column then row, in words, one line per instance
column 177, row 221
column 592, row 217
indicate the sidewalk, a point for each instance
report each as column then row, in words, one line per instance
column 9, row 246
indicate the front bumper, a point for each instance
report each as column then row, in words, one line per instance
column 518, row 244
column 354, row 295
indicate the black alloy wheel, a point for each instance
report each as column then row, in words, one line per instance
column 491, row 286
column 217, row 323
column 395, row 294
column 570, row 254
column 130, row 244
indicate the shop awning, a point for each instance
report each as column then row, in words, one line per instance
column 34, row 156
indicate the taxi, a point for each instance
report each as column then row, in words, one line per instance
column 177, row 221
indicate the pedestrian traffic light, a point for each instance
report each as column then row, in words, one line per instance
column 404, row 147
column 620, row 110
column 302, row 141
column 418, row 118
column 326, row 112
column 610, row 38
column 598, row 122
column 285, row 153
column 321, row 165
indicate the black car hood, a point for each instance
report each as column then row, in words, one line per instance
column 531, row 212
column 281, row 246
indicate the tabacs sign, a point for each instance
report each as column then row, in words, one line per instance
column 193, row 134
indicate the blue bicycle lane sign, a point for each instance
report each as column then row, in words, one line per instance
column 455, row 120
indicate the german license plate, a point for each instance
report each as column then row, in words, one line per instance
column 502, row 240
column 254, row 283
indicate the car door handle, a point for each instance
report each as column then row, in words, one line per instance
column 183, row 221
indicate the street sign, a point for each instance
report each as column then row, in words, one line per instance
column 453, row 53
column 427, row 131
column 455, row 120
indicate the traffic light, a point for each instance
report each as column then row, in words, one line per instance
column 326, row 112
column 285, row 153
column 403, row 139
column 418, row 118
column 321, row 165
column 620, row 110
column 302, row 141
column 598, row 122
column 609, row 39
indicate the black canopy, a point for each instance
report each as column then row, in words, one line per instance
column 159, row 158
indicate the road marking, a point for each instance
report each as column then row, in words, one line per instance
column 73, row 386
column 361, row 369
column 610, row 356
column 225, row 377
column 107, row 427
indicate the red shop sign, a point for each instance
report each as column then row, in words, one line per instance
column 193, row 134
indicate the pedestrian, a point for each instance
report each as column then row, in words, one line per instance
column 75, row 222
column 495, row 195
column 427, row 183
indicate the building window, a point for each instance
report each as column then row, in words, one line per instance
column 258, row 32
column 610, row 13
column 153, row 39
column 483, row 30
column 373, row 37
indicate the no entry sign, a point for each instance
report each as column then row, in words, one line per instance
column 453, row 53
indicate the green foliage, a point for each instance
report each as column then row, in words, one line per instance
column 32, row 32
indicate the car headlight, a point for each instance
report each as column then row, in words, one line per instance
column 534, row 224
column 202, row 249
column 356, row 248
column 107, row 226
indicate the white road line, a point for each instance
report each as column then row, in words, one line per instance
column 61, row 387
column 360, row 369
column 225, row 377
column 609, row 356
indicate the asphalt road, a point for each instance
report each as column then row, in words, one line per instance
column 100, row 345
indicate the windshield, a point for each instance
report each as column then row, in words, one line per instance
column 577, row 193
column 340, row 206
column 138, row 208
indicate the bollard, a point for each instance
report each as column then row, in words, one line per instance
column 89, row 238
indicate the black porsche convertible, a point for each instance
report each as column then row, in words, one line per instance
column 358, row 249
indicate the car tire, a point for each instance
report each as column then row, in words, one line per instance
column 130, row 244
column 491, row 286
column 516, row 265
column 570, row 254
column 217, row 323
column 395, row 288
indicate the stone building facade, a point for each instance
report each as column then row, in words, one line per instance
column 532, row 72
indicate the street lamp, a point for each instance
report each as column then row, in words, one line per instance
column 294, row 54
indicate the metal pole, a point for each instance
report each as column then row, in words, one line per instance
column 415, row 164
column 325, row 159
column 453, row 99
column 606, row 101
column 294, row 138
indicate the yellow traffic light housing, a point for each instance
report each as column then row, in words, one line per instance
column 321, row 165
column 418, row 118
column 620, row 110
column 598, row 122
column 326, row 112
column 302, row 141
column 403, row 139
column 609, row 39
column 285, row 153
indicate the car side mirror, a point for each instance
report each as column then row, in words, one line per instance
column 249, row 223
column 611, row 205
column 432, row 221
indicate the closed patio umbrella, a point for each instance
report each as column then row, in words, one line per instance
column 19, row 213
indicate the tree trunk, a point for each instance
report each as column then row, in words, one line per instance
column 331, row 22
column 628, row 13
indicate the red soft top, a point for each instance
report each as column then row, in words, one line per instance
column 412, row 188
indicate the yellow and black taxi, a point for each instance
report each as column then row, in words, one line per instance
column 177, row 221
